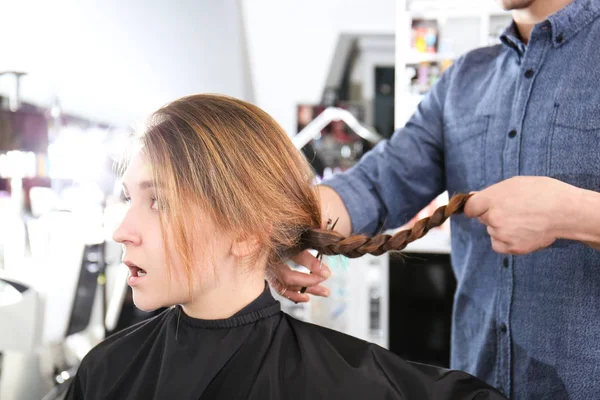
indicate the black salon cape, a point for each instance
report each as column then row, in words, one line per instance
column 259, row 353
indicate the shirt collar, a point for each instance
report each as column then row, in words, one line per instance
column 571, row 19
column 564, row 23
column 511, row 38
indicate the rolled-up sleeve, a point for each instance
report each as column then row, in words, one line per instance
column 399, row 176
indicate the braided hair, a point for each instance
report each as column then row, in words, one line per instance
column 329, row 242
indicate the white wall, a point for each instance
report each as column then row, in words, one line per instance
column 291, row 44
column 119, row 60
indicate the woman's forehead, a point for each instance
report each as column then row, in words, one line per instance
column 138, row 170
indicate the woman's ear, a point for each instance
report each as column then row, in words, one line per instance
column 245, row 245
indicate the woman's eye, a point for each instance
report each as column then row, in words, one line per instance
column 156, row 204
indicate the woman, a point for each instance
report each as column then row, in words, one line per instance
column 217, row 193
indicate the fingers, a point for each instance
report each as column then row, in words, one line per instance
column 318, row 290
column 291, row 278
column 288, row 293
column 288, row 283
column 313, row 264
column 298, row 297
column 293, row 293
column 500, row 247
column 477, row 205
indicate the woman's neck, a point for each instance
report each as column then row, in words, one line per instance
column 230, row 294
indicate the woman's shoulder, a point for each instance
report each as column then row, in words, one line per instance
column 366, row 368
column 125, row 341
column 342, row 343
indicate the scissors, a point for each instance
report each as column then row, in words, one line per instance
column 328, row 227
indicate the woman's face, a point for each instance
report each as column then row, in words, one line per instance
column 144, row 251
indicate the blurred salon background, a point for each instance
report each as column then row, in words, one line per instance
column 78, row 77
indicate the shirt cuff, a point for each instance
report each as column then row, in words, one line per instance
column 362, row 205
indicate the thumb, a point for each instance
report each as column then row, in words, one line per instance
column 477, row 205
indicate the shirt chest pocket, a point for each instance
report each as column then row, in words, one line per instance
column 464, row 160
column 573, row 154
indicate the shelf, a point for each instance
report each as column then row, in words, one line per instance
column 449, row 14
column 415, row 57
column 441, row 11
column 461, row 26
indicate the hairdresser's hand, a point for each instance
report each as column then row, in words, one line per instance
column 288, row 282
column 523, row 214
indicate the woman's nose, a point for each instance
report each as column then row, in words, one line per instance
column 127, row 232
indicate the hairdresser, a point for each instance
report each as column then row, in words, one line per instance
column 518, row 124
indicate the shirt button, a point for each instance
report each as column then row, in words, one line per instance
column 528, row 73
column 503, row 328
column 560, row 38
column 512, row 133
column 505, row 262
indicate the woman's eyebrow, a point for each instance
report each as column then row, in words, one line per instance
column 147, row 184
column 143, row 185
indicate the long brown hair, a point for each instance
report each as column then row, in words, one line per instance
column 234, row 161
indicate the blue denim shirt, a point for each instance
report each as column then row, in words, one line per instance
column 529, row 324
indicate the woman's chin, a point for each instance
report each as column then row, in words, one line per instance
column 145, row 304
